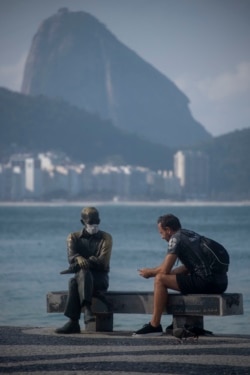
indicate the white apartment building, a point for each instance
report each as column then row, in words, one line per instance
column 33, row 178
column 192, row 169
column 75, row 183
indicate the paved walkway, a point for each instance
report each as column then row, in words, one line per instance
column 40, row 351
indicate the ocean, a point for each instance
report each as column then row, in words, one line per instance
column 33, row 252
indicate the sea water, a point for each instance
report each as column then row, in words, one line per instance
column 33, row 252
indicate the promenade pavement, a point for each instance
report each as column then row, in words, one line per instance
column 40, row 351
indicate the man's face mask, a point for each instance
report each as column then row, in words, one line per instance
column 92, row 229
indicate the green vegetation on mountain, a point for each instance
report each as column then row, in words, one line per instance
column 36, row 124
column 230, row 165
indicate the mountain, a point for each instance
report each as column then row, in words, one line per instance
column 230, row 165
column 40, row 124
column 75, row 57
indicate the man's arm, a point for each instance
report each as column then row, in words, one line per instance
column 165, row 267
column 180, row 269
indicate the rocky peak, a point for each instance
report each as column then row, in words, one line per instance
column 75, row 57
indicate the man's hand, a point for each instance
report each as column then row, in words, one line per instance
column 82, row 262
column 145, row 272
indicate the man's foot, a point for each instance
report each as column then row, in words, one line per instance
column 70, row 327
column 88, row 315
column 148, row 330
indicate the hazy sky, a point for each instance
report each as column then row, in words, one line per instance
column 203, row 46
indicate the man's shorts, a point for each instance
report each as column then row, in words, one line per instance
column 192, row 283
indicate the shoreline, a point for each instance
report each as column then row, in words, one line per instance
column 190, row 203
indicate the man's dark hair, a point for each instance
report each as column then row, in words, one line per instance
column 170, row 221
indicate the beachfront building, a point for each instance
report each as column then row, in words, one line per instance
column 33, row 178
column 75, row 180
column 21, row 178
column 171, row 185
column 120, row 182
column 192, row 170
column 6, row 185
column 51, row 176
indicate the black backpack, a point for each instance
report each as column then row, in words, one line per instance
column 219, row 256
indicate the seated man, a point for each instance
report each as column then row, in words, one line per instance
column 203, row 270
column 89, row 252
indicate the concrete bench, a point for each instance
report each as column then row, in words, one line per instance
column 186, row 309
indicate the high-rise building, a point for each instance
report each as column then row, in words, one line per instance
column 192, row 169
column 33, row 177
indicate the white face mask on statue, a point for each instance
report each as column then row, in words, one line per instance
column 92, row 229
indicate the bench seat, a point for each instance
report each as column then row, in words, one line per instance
column 186, row 309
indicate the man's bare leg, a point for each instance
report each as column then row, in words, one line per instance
column 161, row 284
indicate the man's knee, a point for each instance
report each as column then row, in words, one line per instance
column 160, row 279
column 166, row 281
column 163, row 280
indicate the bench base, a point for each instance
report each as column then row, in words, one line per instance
column 104, row 322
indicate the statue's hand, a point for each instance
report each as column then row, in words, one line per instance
column 82, row 262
